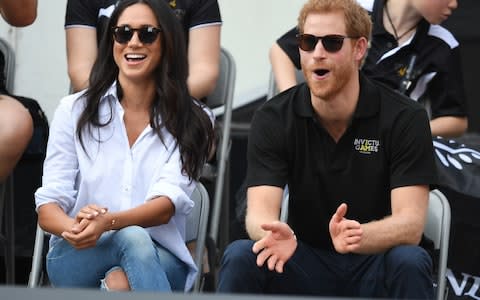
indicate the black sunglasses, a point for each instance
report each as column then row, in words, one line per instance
column 331, row 43
column 146, row 34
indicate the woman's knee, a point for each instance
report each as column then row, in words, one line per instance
column 116, row 280
column 135, row 241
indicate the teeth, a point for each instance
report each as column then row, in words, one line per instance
column 135, row 56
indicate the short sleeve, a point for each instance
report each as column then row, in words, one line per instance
column 266, row 152
column 204, row 12
column 288, row 43
column 412, row 160
column 81, row 13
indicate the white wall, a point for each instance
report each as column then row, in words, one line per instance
column 249, row 28
column 40, row 55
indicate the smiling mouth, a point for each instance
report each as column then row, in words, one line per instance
column 135, row 57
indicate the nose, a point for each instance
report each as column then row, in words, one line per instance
column 453, row 4
column 319, row 51
column 135, row 40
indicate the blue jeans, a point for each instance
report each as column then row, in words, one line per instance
column 402, row 272
column 148, row 265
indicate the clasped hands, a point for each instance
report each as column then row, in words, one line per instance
column 90, row 223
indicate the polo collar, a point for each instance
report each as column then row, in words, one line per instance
column 368, row 103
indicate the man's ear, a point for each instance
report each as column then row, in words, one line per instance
column 361, row 49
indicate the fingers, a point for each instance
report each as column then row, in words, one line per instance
column 90, row 212
column 340, row 213
column 279, row 266
column 274, row 263
column 79, row 227
column 272, row 226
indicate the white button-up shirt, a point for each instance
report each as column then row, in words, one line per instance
column 110, row 173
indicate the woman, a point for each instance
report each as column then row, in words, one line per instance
column 122, row 160
column 201, row 21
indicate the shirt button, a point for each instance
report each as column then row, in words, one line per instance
column 127, row 189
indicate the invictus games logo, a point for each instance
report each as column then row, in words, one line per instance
column 366, row 146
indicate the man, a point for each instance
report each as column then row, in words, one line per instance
column 358, row 161
column 410, row 52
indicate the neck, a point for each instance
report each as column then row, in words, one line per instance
column 336, row 113
column 403, row 16
column 137, row 96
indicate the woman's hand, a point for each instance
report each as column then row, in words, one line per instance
column 89, row 212
column 86, row 233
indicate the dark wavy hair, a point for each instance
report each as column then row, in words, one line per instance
column 173, row 108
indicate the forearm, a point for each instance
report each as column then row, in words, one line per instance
column 152, row 213
column 449, row 126
column 53, row 219
column 379, row 236
column 263, row 207
column 253, row 226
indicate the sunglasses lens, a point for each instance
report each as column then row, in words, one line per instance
column 332, row 43
column 307, row 42
column 123, row 34
column 147, row 35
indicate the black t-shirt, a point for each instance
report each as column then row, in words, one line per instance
column 95, row 13
column 437, row 74
column 387, row 145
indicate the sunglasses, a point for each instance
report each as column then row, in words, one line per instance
column 146, row 34
column 331, row 43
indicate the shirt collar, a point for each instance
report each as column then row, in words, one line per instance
column 368, row 103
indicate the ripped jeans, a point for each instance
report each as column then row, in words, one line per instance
column 148, row 265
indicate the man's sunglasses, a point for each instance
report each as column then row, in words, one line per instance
column 331, row 43
column 146, row 34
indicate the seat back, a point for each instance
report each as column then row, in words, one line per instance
column 222, row 96
column 196, row 229
column 7, row 234
column 437, row 228
column 9, row 67
column 272, row 85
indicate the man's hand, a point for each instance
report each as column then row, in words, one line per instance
column 346, row 234
column 276, row 247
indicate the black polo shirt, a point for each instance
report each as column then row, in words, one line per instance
column 387, row 145
column 437, row 71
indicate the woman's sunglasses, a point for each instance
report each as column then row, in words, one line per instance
column 331, row 43
column 146, row 34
